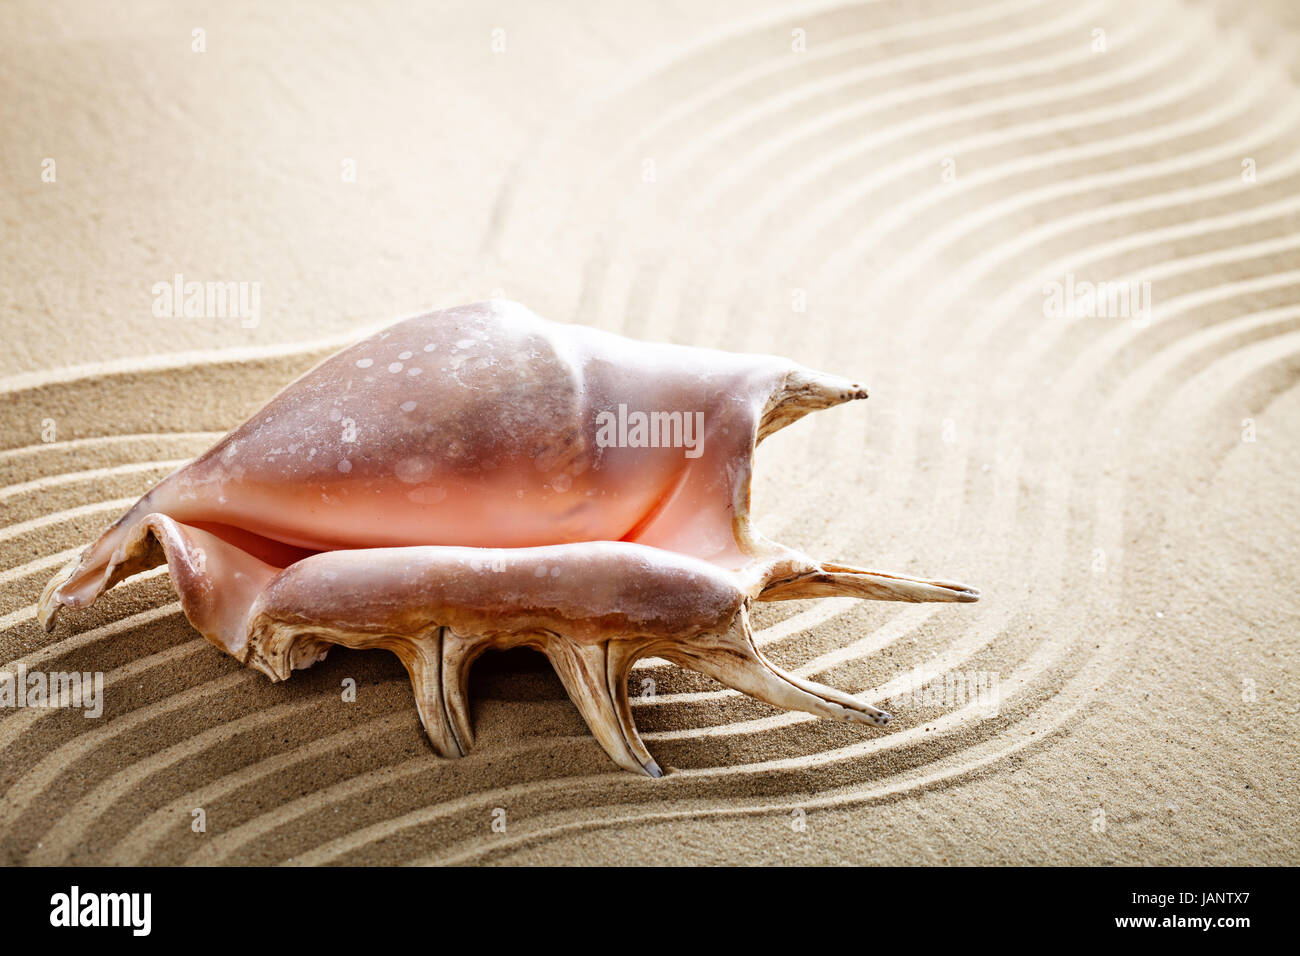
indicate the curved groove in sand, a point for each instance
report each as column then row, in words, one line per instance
column 1275, row 128
column 181, row 361
column 1051, row 94
column 9, row 455
column 1179, row 198
column 1006, row 304
column 1209, row 71
column 896, row 130
column 697, row 99
column 18, row 529
column 814, row 215
column 1002, row 44
column 89, row 476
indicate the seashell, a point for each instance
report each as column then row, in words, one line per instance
column 481, row 478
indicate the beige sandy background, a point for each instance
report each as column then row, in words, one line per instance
column 879, row 189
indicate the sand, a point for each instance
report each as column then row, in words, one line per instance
column 893, row 201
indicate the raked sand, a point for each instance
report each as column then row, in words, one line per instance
column 914, row 194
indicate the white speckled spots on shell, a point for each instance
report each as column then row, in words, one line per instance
column 413, row 470
column 365, row 363
column 395, row 367
column 345, row 466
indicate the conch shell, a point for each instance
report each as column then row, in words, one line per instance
column 482, row 478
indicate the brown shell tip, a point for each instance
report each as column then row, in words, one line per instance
column 47, row 609
column 805, row 390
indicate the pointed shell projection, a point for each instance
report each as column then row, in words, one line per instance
column 482, row 478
